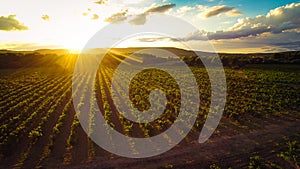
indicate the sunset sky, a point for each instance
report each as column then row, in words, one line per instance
column 231, row 25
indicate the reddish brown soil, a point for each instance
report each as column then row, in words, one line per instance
column 231, row 146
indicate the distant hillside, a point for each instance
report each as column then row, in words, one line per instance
column 39, row 58
column 64, row 59
column 228, row 59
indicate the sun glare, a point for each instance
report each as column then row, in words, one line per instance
column 74, row 51
column 73, row 47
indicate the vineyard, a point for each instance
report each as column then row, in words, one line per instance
column 39, row 127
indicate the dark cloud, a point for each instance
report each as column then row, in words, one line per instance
column 117, row 17
column 222, row 9
column 46, row 17
column 219, row 10
column 285, row 41
column 9, row 23
column 161, row 8
column 141, row 19
column 288, row 45
column 202, row 35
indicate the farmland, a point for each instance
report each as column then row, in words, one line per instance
column 39, row 127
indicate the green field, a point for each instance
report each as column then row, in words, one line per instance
column 39, row 127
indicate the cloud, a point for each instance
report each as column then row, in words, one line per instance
column 232, row 34
column 203, row 12
column 278, row 20
column 155, row 39
column 222, row 9
column 101, row 2
column 95, row 17
column 161, row 8
column 234, row 12
column 288, row 45
column 278, row 30
column 184, row 9
column 117, row 17
column 267, row 42
column 138, row 19
column 27, row 46
column 9, row 23
column 88, row 12
column 141, row 19
column 46, row 17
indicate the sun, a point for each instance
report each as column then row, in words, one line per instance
column 74, row 51
column 73, row 47
column 73, row 43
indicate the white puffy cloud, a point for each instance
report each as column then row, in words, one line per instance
column 276, row 21
column 183, row 10
column 278, row 30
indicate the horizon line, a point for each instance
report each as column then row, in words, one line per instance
column 78, row 51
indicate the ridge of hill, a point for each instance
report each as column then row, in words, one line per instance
column 61, row 57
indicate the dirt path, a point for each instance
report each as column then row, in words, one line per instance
column 231, row 145
column 59, row 145
column 38, row 148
